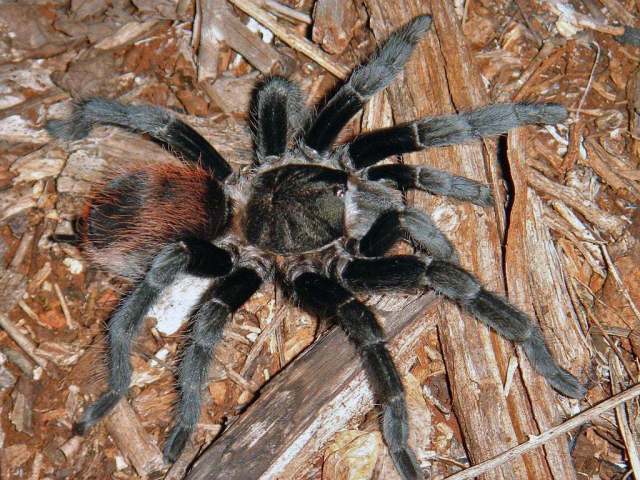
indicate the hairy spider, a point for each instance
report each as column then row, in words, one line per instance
column 315, row 218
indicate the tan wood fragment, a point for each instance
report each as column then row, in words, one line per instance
column 520, row 250
column 133, row 441
column 220, row 24
column 292, row 39
column 22, row 340
column 565, row 427
column 333, row 24
column 567, row 13
column 287, row 12
column 601, row 219
column 599, row 159
column 126, row 34
column 623, row 415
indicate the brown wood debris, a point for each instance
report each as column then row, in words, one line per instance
column 287, row 397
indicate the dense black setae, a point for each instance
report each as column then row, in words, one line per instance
column 327, row 214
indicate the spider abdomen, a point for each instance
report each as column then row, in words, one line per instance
column 296, row 208
column 137, row 212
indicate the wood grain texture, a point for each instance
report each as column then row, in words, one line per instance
column 519, row 251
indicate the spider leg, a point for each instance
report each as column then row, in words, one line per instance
column 161, row 125
column 365, row 81
column 325, row 296
column 277, row 110
column 408, row 223
column 407, row 272
column 208, row 322
column 193, row 256
column 371, row 147
column 434, row 181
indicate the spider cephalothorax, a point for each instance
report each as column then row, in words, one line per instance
column 327, row 215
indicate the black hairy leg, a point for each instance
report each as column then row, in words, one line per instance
column 192, row 256
column 369, row 148
column 409, row 224
column 161, row 125
column 277, row 112
column 408, row 272
column 434, row 181
column 365, row 81
column 326, row 297
column 207, row 324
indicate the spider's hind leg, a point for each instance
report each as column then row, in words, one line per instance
column 277, row 111
column 326, row 297
column 407, row 272
column 160, row 124
column 194, row 256
column 208, row 322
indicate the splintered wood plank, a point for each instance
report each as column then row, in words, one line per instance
column 527, row 239
column 307, row 403
column 442, row 79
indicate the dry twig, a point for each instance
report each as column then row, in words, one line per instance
column 550, row 434
column 22, row 340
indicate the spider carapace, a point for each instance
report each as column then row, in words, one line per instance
column 296, row 208
column 320, row 216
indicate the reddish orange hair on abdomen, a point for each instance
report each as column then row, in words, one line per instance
column 135, row 213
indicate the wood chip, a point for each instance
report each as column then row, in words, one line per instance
column 333, row 24
column 126, row 34
column 21, row 415
column 601, row 219
column 292, row 39
column 221, row 24
column 132, row 440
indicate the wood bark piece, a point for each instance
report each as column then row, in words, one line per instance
column 602, row 163
column 305, row 405
column 292, row 39
column 601, row 219
column 524, row 243
column 333, row 24
column 221, row 24
column 567, row 13
column 21, row 415
column 132, row 440
column 565, row 427
column 126, row 34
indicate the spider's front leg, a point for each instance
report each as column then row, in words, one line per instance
column 326, row 297
column 363, row 83
column 408, row 272
column 369, row 148
column 161, row 125
column 207, row 325
column 192, row 256
column 366, row 150
column 277, row 112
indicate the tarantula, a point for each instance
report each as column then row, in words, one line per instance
column 317, row 219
